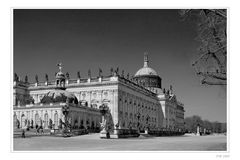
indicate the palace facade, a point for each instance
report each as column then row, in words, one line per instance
column 137, row 103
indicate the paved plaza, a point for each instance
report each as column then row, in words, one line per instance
column 92, row 142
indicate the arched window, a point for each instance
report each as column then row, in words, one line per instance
column 56, row 120
column 46, row 120
column 37, row 119
column 23, row 120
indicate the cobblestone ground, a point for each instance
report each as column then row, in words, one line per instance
column 94, row 143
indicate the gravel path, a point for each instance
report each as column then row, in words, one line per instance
column 94, row 143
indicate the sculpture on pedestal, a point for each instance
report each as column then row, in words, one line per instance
column 36, row 78
column 46, row 77
column 26, row 79
column 78, row 75
column 111, row 71
column 117, row 70
column 67, row 128
column 89, row 73
column 16, row 77
column 67, row 75
column 100, row 73
column 107, row 123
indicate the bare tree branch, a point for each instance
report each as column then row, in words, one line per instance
column 207, row 53
column 213, row 83
column 211, row 64
column 213, row 75
column 218, row 12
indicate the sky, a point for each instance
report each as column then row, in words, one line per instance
column 93, row 39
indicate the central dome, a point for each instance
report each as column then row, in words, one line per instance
column 146, row 71
column 147, row 76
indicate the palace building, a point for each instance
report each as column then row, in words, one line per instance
column 138, row 103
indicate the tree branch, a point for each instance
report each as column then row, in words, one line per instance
column 218, row 12
column 213, row 83
column 213, row 75
column 207, row 53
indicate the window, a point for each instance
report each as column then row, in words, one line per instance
column 46, row 120
column 56, row 120
column 37, row 119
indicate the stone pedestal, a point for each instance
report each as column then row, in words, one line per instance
column 104, row 134
column 198, row 131
column 115, row 134
column 146, row 131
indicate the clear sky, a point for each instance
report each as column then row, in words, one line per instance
column 92, row 39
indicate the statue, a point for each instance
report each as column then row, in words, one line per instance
column 117, row 125
column 26, row 79
column 16, row 77
column 107, row 122
column 36, row 78
column 103, row 124
column 111, row 71
column 78, row 75
column 100, row 72
column 67, row 75
column 117, row 70
column 167, row 92
column 171, row 90
column 89, row 73
column 46, row 77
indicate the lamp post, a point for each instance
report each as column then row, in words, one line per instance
column 147, row 125
column 138, row 117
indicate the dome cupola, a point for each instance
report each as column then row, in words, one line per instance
column 147, row 76
column 146, row 70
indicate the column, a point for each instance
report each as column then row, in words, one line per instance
column 115, row 106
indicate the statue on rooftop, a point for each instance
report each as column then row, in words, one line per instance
column 36, row 78
column 111, row 71
column 100, row 72
column 78, row 75
column 46, row 77
column 26, row 79
column 16, row 77
column 67, row 75
column 117, row 70
column 89, row 73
